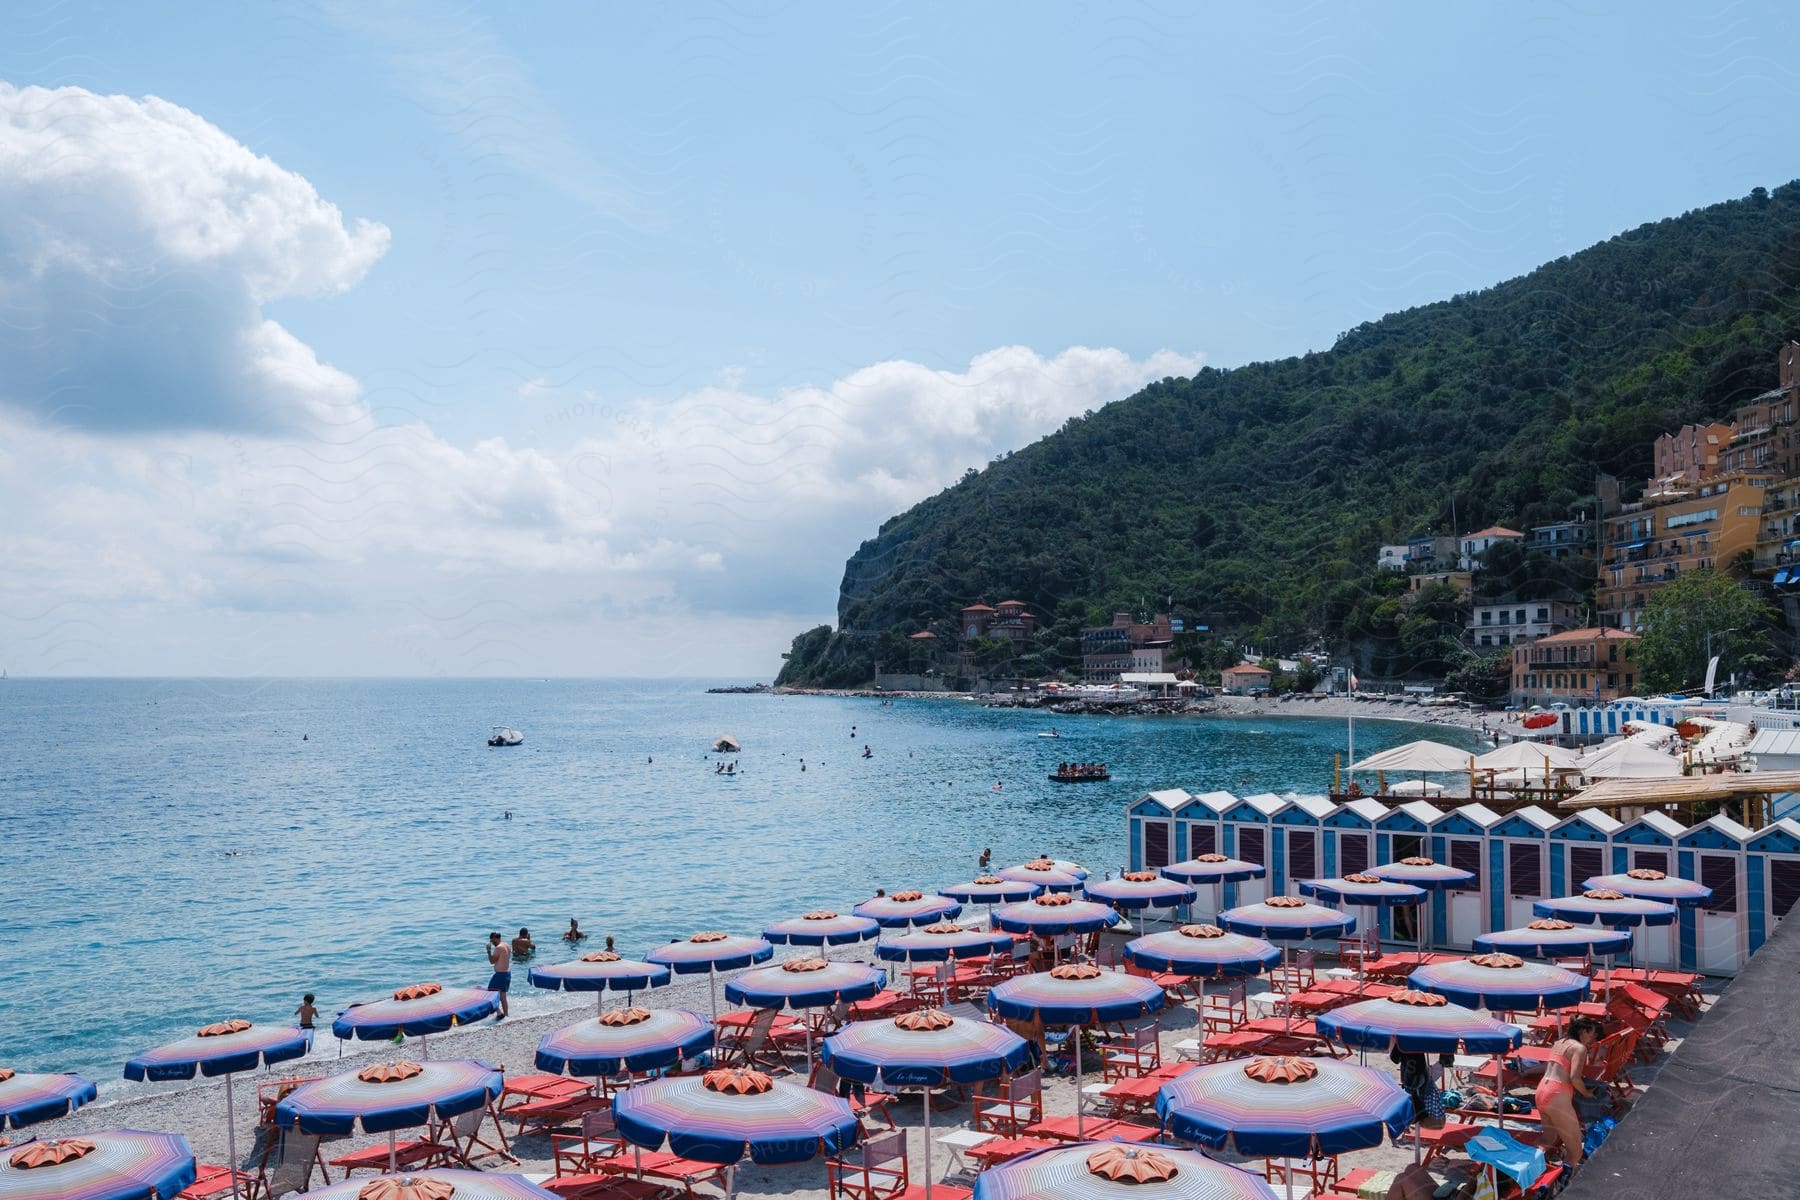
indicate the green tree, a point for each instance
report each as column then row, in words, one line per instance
column 1701, row 611
column 1484, row 679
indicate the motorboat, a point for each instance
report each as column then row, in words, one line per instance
column 503, row 736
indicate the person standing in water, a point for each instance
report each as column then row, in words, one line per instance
column 500, row 956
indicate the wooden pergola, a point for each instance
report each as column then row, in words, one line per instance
column 1752, row 791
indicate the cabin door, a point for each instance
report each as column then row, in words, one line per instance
column 1717, row 929
column 1524, row 881
column 1467, row 904
column 1253, row 847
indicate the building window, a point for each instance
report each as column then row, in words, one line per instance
column 1204, row 839
column 1650, row 860
column 1525, row 868
column 1719, row 872
column 1585, row 862
column 1353, row 855
column 1465, row 855
column 1156, row 844
column 1303, row 854
column 1250, row 844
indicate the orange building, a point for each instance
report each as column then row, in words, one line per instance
column 1649, row 544
column 1582, row 666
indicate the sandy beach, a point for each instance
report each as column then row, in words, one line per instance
column 197, row 1111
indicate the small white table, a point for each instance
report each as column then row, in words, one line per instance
column 1189, row 1049
column 961, row 1141
column 1266, row 1002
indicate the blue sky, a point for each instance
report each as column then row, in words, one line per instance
column 608, row 318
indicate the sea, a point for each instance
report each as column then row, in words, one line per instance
column 176, row 852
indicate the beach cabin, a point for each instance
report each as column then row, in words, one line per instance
column 1648, row 843
column 1294, row 840
column 1580, row 848
column 1202, row 823
column 1771, row 878
column 1153, row 822
column 1348, row 837
column 1404, row 832
column 1245, row 828
column 1518, row 865
column 1463, row 832
column 1713, row 938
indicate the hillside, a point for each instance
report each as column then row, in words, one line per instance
column 1258, row 495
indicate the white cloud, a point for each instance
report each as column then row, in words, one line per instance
column 138, row 243
column 637, row 547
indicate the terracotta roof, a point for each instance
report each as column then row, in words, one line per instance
column 1495, row 531
column 1009, row 603
column 921, row 636
column 976, row 608
column 1246, row 669
column 1587, row 635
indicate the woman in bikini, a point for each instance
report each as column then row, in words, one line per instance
column 1556, row 1091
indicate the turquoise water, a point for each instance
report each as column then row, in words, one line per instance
column 174, row 853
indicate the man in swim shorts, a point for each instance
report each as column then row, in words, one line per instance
column 500, row 954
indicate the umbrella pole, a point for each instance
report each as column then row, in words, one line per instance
column 712, row 987
column 393, row 1155
column 927, row 1142
column 1079, row 1128
column 231, row 1136
column 730, row 1181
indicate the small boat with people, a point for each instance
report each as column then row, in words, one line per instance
column 505, row 736
column 1080, row 773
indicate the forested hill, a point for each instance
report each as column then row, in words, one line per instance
column 1259, row 494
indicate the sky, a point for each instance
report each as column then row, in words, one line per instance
column 564, row 339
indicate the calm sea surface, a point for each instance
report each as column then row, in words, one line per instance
column 176, row 852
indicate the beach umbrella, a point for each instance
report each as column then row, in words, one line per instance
column 1047, row 873
column 122, row 1164
column 1055, row 913
column 1502, row 982
column 925, row 1049
column 1552, row 937
column 435, row 1184
column 1647, row 884
column 991, row 890
column 417, row 1011
column 1287, row 919
column 625, row 1039
column 721, row 1116
column 27, row 1098
column 711, row 952
column 1630, row 760
column 1217, row 870
column 822, row 927
column 1427, row 757
column 1119, row 1171
column 1076, row 995
column 1139, row 889
column 1364, row 891
column 1545, row 758
column 389, row 1096
column 907, row 907
column 805, row 983
column 224, row 1048
column 942, row 941
column 1607, row 907
column 1284, row 1107
column 1417, row 1021
column 1423, row 872
column 599, row 971
column 1202, row 952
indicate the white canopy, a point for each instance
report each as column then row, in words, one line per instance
column 1530, row 756
column 1416, row 756
column 1416, row 787
column 1630, row 760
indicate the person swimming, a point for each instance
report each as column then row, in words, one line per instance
column 868, row 753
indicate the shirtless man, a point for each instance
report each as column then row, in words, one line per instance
column 500, row 955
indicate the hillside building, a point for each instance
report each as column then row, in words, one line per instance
column 1009, row 619
column 1650, row 544
column 1108, row 651
column 1391, row 558
column 1244, row 679
column 1687, row 457
column 1520, row 621
column 1562, row 539
column 1579, row 666
column 1472, row 546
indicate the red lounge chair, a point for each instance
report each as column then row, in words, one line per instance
column 1224, row 1012
column 211, row 1181
column 1093, row 1129
column 1004, row 1107
column 665, row 1168
column 409, row 1155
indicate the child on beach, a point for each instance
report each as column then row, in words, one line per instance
column 306, row 1012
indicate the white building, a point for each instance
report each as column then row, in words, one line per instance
column 1391, row 558
column 1520, row 621
column 1473, row 545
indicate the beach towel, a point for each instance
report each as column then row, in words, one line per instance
column 1503, row 1152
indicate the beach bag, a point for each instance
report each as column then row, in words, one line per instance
column 1596, row 1134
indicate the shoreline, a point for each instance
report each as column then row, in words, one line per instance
column 1328, row 708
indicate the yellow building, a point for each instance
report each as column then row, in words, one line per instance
column 1647, row 545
